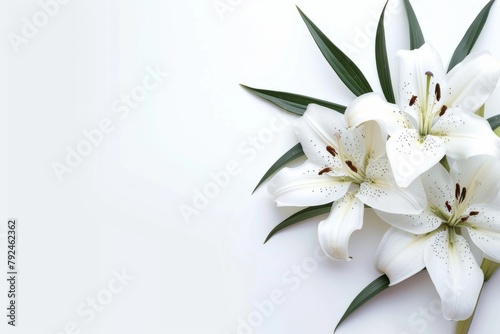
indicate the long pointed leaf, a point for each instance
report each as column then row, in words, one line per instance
column 294, row 103
column 371, row 290
column 494, row 122
column 470, row 37
column 345, row 68
column 292, row 154
column 384, row 72
column 488, row 267
column 310, row 212
column 416, row 36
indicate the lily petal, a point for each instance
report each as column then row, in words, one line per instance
column 412, row 67
column 353, row 147
column 382, row 192
column 410, row 156
column 484, row 229
column 372, row 107
column 400, row 254
column 479, row 175
column 472, row 81
column 302, row 186
column 439, row 187
column 318, row 128
column 424, row 222
column 455, row 274
column 466, row 134
column 334, row 232
column 375, row 140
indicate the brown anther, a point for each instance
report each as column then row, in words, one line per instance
column 413, row 100
column 462, row 197
column 437, row 91
column 351, row 166
column 429, row 73
column 324, row 170
column 448, row 206
column 473, row 213
column 457, row 191
column 443, row 110
column 331, row 150
column 464, row 219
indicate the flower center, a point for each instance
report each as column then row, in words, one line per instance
column 354, row 173
column 428, row 111
column 457, row 210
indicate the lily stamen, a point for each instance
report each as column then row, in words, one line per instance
column 332, row 151
column 324, row 170
column 437, row 91
column 462, row 197
column 351, row 166
column 413, row 100
column 443, row 110
column 428, row 111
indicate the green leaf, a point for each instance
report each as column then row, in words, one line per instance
column 480, row 111
column 494, row 122
column 488, row 267
column 345, row 68
column 373, row 289
column 416, row 36
column 444, row 162
column 384, row 72
column 470, row 37
column 292, row 154
column 310, row 212
column 294, row 103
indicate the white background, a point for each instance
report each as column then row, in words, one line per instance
column 120, row 209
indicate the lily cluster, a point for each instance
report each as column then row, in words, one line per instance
column 427, row 165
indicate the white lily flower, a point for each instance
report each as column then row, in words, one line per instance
column 345, row 165
column 464, row 199
column 434, row 114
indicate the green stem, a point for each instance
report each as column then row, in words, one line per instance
column 488, row 267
